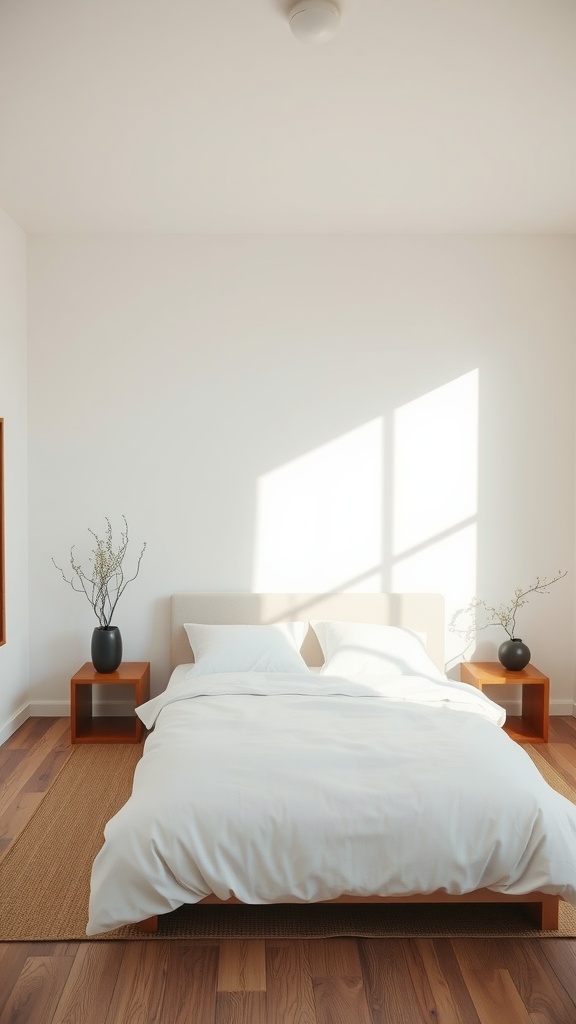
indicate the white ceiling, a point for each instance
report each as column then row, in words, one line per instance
column 172, row 115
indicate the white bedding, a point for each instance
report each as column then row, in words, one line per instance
column 290, row 788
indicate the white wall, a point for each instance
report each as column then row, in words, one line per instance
column 302, row 413
column 13, row 407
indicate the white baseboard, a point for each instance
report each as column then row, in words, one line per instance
column 557, row 707
column 61, row 708
column 50, row 708
column 9, row 728
column 563, row 707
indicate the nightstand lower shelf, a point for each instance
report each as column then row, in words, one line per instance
column 522, row 731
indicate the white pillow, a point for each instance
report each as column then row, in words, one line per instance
column 365, row 648
column 239, row 648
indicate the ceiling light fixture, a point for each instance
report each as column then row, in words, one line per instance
column 314, row 21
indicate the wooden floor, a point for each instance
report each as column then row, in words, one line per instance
column 334, row 981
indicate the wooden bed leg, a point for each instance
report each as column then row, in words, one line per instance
column 149, row 925
column 545, row 913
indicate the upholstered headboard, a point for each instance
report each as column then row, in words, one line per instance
column 421, row 612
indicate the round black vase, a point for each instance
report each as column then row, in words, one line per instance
column 513, row 655
column 106, row 648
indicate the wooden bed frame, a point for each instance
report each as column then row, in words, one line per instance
column 423, row 613
column 539, row 906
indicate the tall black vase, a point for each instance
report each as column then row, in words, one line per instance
column 513, row 655
column 106, row 648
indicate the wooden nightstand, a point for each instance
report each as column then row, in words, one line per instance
column 532, row 725
column 87, row 729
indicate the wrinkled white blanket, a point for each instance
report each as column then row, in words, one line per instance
column 277, row 788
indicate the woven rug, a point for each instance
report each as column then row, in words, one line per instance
column 45, row 877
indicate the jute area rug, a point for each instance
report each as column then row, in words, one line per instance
column 45, row 877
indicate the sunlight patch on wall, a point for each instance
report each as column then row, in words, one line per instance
column 435, row 462
column 435, row 495
column 319, row 517
column 448, row 567
column 390, row 506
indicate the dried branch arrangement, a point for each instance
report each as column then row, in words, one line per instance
column 105, row 581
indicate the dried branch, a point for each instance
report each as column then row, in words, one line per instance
column 504, row 615
column 105, row 582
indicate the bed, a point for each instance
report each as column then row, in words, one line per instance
column 309, row 748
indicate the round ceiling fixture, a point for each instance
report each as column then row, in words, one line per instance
column 314, row 21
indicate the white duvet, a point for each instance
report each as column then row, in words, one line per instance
column 289, row 788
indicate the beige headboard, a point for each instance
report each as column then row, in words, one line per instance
column 421, row 612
